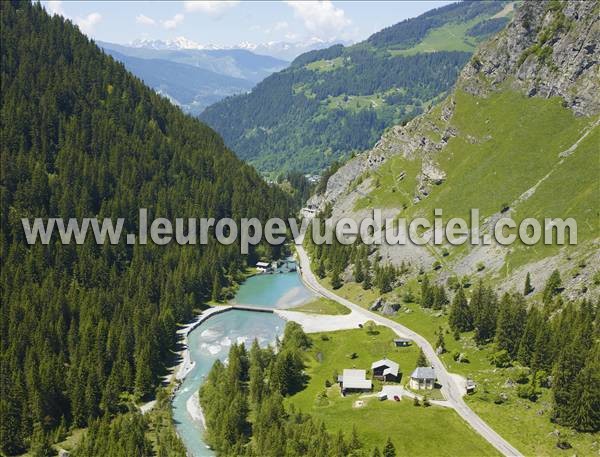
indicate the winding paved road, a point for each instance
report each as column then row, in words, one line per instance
column 451, row 390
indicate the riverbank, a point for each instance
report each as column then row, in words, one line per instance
column 182, row 369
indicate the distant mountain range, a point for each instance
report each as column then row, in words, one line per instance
column 194, row 78
column 284, row 50
column 333, row 102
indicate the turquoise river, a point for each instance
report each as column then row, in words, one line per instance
column 211, row 341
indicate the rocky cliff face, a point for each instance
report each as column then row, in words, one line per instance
column 549, row 49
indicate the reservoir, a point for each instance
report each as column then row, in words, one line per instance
column 212, row 339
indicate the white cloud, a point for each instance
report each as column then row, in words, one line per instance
column 277, row 27
column 88, row 23
column 209, row 7
column 320, row 17
column 55, row 7
column 280, row 26
column 173, row 22
column 145, row 20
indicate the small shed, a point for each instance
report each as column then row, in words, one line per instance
column 401, row 342
column 470, row 386
column 263, row 266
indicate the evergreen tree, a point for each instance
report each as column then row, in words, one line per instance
column 529, row 338
column 542, row 357
column 484, row 308
column 553, row 287
column 427, row 297
column 584, row 414
column 336, row 280
column 368, row 279
column 354, row 444
column 359, row 275
column 440, row 299
column 421, row 359
column 511, row 322
column 528, row 287
column 460, row 318
column 321, row 272
column 389, row 450
column 440, row 344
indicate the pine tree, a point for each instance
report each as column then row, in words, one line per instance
column 460, row 315
column 359, row 275
column 321, row 272
column 553, row 286
column 389, row 450
column 354, row 444
column 542, row 357
column 528, row 340
column 426, row 293
column 421, row 359
column 584, row 414
column 143, row 373
column 340, row 448
column 368, row 278
column 440, row 344
column 440, row 299
column 336, row 280
column 216, row 288
column 484, row 309
column 528, row 287
column 511, row 322
column 41, row 445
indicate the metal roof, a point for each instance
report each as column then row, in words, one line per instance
column 355, row 379
column 392, row 367
column 423, row 373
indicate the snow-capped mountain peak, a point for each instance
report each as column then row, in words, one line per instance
column 280, row 49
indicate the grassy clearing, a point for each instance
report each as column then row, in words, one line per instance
column 322, row 305
column 356, row 102
column 450, row 37
column 525, row 424
column 326, row 65
column 415, row 431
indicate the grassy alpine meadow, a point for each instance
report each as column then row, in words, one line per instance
column 409, row 427
column 501, row 161
column 450, row 37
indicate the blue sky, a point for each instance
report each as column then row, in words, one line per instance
column 230, row 23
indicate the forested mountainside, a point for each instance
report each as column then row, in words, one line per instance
column 194, row 78
column 518, row 137
column 86, row 327
column 333, row 102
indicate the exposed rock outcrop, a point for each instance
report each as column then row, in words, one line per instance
column 548, row 50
